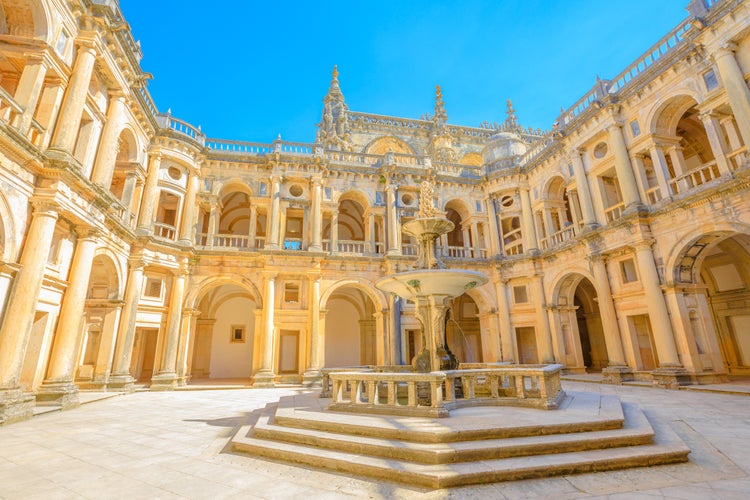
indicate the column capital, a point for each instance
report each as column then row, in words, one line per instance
column 270, row 275
column 136, row 263
column 644, row 244
column 49, row 208
column 316, row 180
column 727, row 48
column 85, row 232
column 190, row 311
column 87, row 44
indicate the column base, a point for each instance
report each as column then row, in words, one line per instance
column 64, row 394
column 315, row 248
column 312, row 378
column 164, row 382
column 617, row 374
column 393, row 253
column 264, row 379
column 121, row 383
column 15, row 405
column 671, row 377
column 635, row 208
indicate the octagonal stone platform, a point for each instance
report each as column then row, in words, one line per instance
column 589, row 432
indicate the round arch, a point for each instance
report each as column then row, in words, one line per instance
column 116, row 265
column 383, row 145
column 356, row 196
column 200, row 288
column 8, row 243
column 667, row 112
column 25, row 18
column 377, row 297
column 232, row 185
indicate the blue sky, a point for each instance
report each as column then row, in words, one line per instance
column 249, row 70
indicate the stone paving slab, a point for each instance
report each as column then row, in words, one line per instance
column 157, row 445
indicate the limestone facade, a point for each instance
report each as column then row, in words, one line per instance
column 134, row 249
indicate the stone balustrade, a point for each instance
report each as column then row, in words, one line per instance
column 434, row 394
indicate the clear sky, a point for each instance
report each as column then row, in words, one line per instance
column 249, row 70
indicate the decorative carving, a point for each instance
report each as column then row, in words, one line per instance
column 427, row 198
column 333, row 130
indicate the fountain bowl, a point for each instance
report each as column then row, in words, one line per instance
column 432, row 282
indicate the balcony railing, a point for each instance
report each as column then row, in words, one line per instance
column 694, row 178
column 514, row 247
column 653, row 195
column 409, row 249
column 737, row 158
column 11, row 113
column 557, row 238
column 353, row 246
column 165, row 231
column 614, row 212
column 293, row 244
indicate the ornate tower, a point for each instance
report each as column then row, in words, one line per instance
column 333, row 130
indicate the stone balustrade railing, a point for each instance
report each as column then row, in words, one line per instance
column 11, row 113
column 434, row 394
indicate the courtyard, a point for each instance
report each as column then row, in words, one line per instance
column 176, row 445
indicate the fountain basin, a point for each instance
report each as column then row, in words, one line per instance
column 426, row 282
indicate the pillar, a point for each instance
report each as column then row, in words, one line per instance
column 71, row 111
column 188, row 210
column 29, row 89
column 167, row 376
column 711, row 124
column 334, row 231
column 612, row 336
column 657, row 308
column 108, row 144
column 544, row 335
column 317, row 215
column 506, row 329
column 494, row 230
column 121, row 377
column 393, row 226
column 274, row 222
column 187, row 334
column 624, row 168
column 735, row 86
column 265, row 376
column 661, row 170
column 584, row 191
column 149, row 199
column 58, row 385
column 312, row 375
column 19, row 312
column 529, row 232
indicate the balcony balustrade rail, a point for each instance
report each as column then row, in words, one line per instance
column 614, row 212
column 653, row 195
column 701, row 175
column 11, row 113
column 557, row 238
column 165, row 231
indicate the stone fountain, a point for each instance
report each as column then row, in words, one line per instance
column 431, row 285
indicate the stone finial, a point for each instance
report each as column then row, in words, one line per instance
column 510, row 121
column 441, row 117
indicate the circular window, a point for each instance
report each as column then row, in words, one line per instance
column 600, row 150
column 296, row 190
column 175, row 173
column 506, row 201
column 407, row 198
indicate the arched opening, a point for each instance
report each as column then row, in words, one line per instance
column 354, row 228
column 583, row 344
column 459, row 242
column 384, row 145
column 101, row 315
column 167, row 210
column 555, row 214
column 350, row 328
column 23, row 19
column 719, row 308
column 463, row 333
column 125, row 173
column 235, row 221
column 224, row 334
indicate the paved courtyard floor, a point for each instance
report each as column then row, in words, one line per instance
column 174, row 445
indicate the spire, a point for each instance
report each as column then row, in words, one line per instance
column 334, row 90
column 441, row 117
column 333, row 130
column 510, row 121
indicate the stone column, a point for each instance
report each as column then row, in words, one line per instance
column 317, row 215
column 108, row 144
column 617, row 369
column 149, row 198
column 529, row 232
column 544, row 336
column 121, row 377
column 29, row 89
column 167, row 377
column 187, row 330
column 394, row 328
column 19, row 312
column 475, row 239
column 370, row 233
column 317, row 337
column 494, row 231
column 661, row 170
column 735, row 86
column 334, row 232
column 59, row 383
column 657, row 308
column 711, row 124
column 274, row 223
column 584, row 191
column 253, row 229
column 188, row 211
column 624, row 168
column 74, row 101
column 393, row 225
column 506, row 329
column 265, row 376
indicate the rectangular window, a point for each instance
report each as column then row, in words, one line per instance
column 709, row 78
column 152, row 288
column 263, row 189
column 480, row 209
column 327, row 193
column 627, row 270
column 519, row 294
column 62, row 42
column 237, row 333
column 291, row 292
column 635, row 128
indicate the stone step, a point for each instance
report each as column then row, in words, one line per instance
column 667, row 448
column 579, row 412
column 636, row 430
